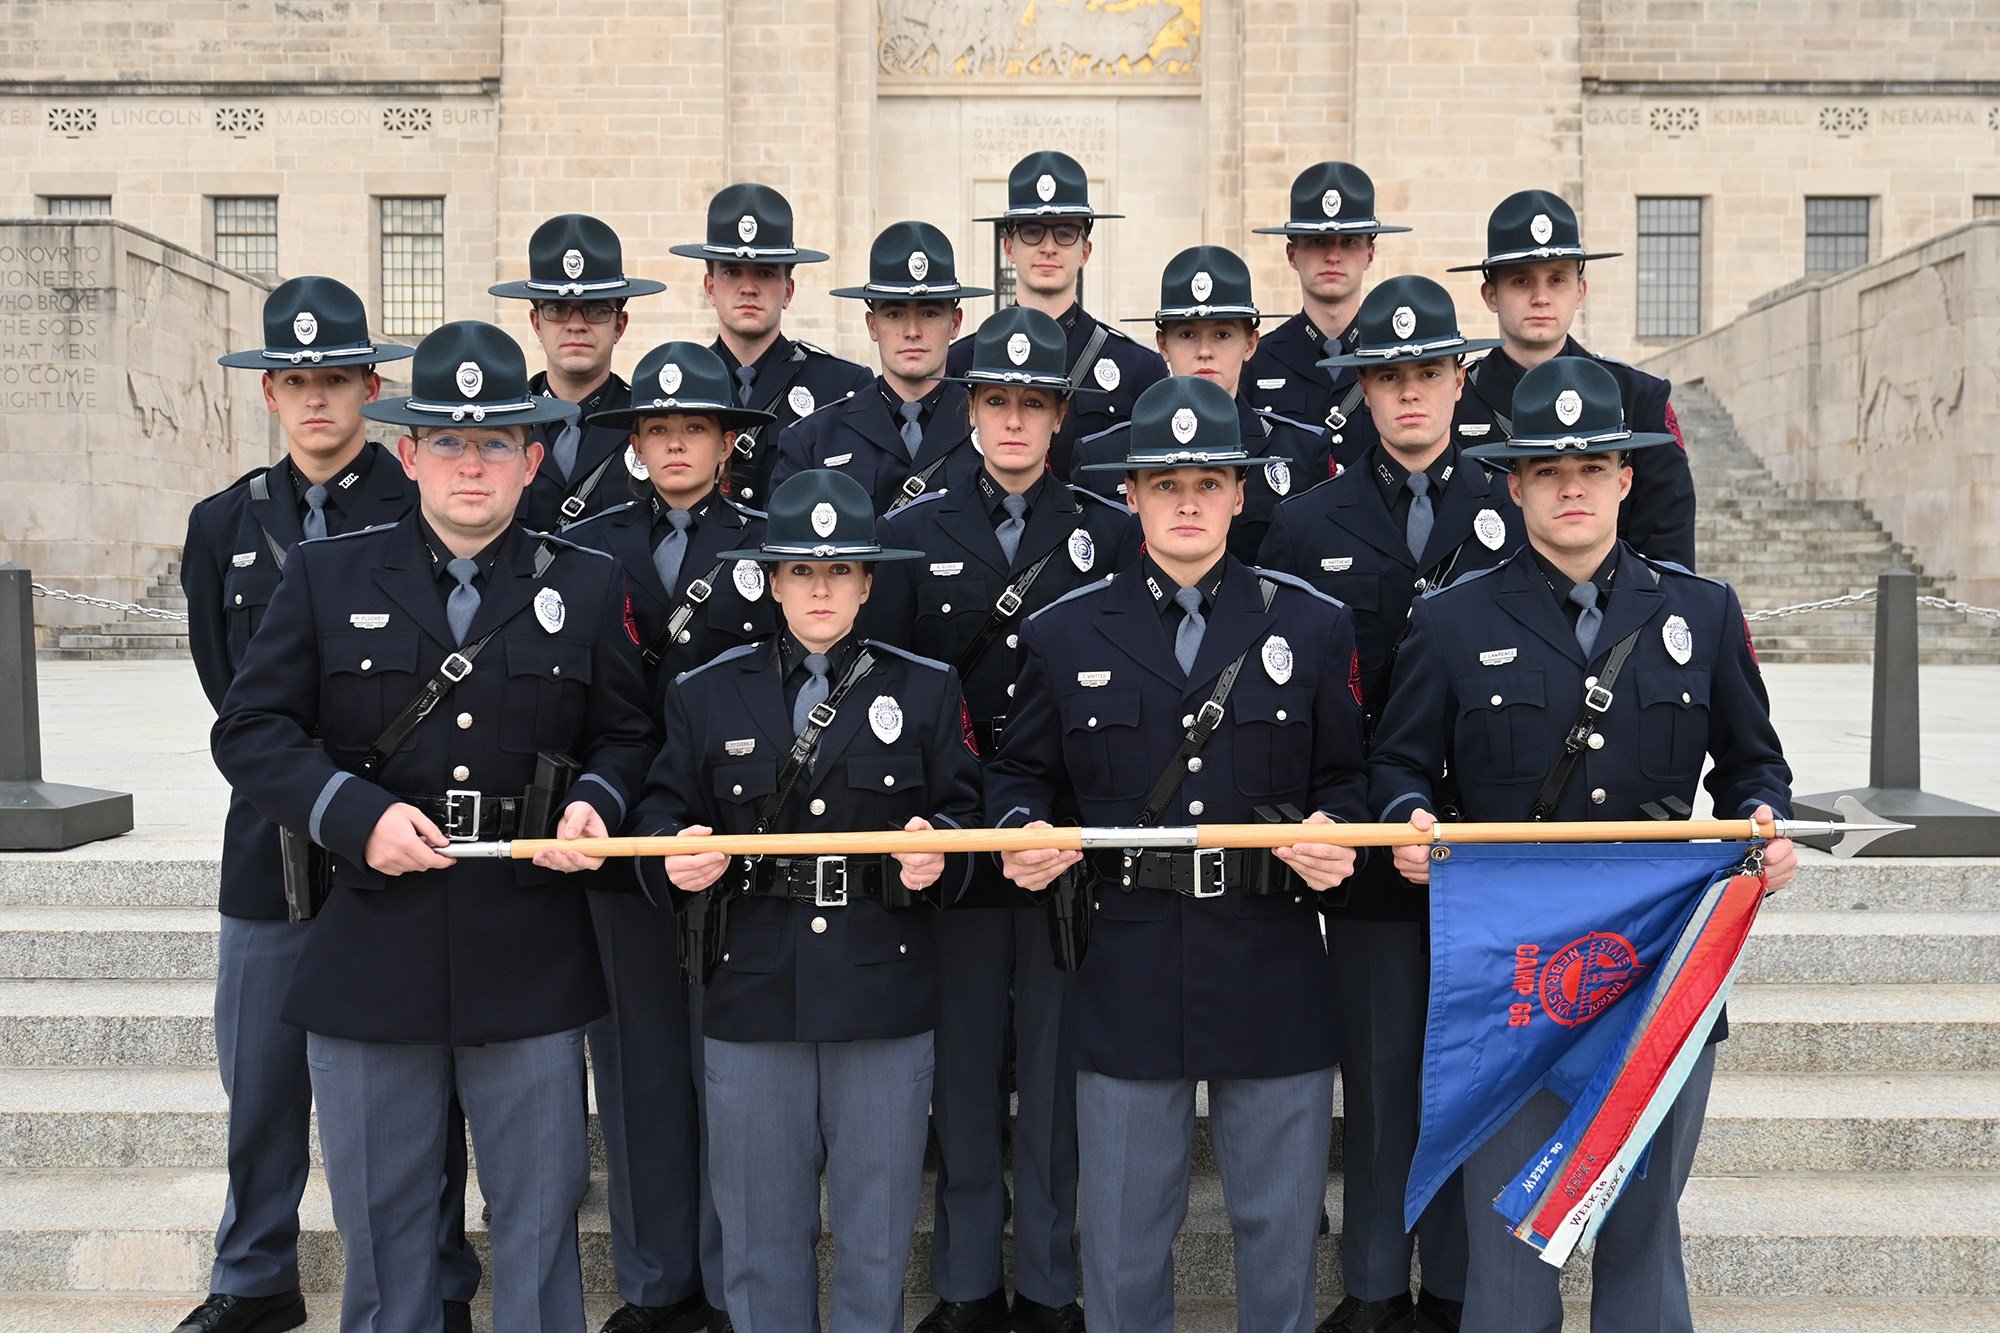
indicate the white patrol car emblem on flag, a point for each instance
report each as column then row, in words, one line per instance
column 1277, row 655
column 801, row 400
column 885, row 719
column 1082, row 550
column 1106, row 372
column 1678, row 638
column 749, row 579
column 1490, row 528
column 305, row 327
column 549, row 610
column 573, row 263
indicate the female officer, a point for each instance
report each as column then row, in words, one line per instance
column 684, row 603
column 818, row 1012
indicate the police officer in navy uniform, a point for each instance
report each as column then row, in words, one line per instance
column 684, row 603
column 1411, row 514
column 576, row 289
column 1493, row 677
column 1045, row 236
column 319, row 369
column 1206, row 327
column 1013, row 528
column 906, row 433
column 423, row 978
column 1330, row 244
column 1204, row 966
column 819, row 1011
column 750, row 255
column 1532, row 280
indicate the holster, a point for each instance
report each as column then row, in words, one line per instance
column 1070, row 917
column 308, row 874
column 541, row 803
column 704, row 927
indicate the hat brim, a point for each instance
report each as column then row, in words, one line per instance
column 1402, row 357
column 525, row 291
column 1370, row 228
column 1156, row 464
column 1184, row 314
column 871, row 555
column 1053, row 383
column 1507, row 451
column 1532, row 257
column 749, row 254
column 264, row 359
column 1054, row 213
column 730, row 415
column 870, row 292
column 398, row 412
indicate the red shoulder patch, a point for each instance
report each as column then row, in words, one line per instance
column 965, row 732
column 1674, row 428
column 1747, row 643
column 1354, row 678
column 631, row 622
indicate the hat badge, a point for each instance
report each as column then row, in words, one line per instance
column 1045, row 187
column 1183, row 424
column 471, row 379
column 1330, row 203
column 670, row 379
column 1017, row 349
column 746, row 229
column 305, row 327
column 1404, row 321
column 572, row 263
column 1569, row 407
column 920, row 265
column 1202, row 286
column 1541, row 228
column 824, row 519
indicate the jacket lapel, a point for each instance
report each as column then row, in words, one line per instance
column 1133, row 625
column 1293, row 345
column 949, row 427
column 960, row 519
column 1237, row 620
column 1049, row 524
column 512, row 584
column 761, row 687
column 847, row 719
column 1358, row 509
column 1635, row 599
column 278, row 513
column 630, row 540
column 405, row 576
column 386, row 495
column 1464, row 495
column 1524, row 595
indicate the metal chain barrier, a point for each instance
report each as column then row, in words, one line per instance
column 128, row 608
column 1946, row 604
column 1823, row 604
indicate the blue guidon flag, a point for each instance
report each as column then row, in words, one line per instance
column 1594, row 970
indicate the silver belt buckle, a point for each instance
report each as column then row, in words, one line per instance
column 454, row 805
column 837, row 895
column 1208, row 872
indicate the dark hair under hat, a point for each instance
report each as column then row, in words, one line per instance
column 1406, row 318
column 1331, row 199
column 469, row 371
column 314, row 321
column 1567, row 405
column 681, row 377
column 1203, row 282
column 820, row 514
column 1531, row 226
column 1048, row 186
column 1182, row 421
column 1017, row 345
column 911, row 261
column 575, row 257
column 751, row 223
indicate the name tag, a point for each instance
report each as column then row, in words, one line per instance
column 368, row 621
column 1474, row 430
column 1271, row 384
column 1498, row 656
column 1090, row 680
column 948, row 569
column 837, row 460
column 740, row 748
column 1334, row 564
column 243, row 559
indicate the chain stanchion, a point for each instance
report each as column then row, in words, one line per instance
column 85, row 599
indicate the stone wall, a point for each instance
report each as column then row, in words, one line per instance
column 1881, row 386
column 1818, row 41
column 114, row 416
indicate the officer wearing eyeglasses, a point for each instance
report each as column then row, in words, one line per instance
column 576, row 291
column 1045, row 235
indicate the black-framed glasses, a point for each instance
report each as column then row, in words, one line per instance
column 492, row 449
column 1034, row 233
column 593, row 312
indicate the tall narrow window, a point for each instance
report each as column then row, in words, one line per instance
column 76, row 205
column 1986, row 205
column 246, row 235
column 1836, row 235
column 412, row 266
column 1669, row 268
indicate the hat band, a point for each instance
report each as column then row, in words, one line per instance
column 1412, row 349
column 1207, row 312
column 1048, row 210
column 917, row 289
column 1336, row 224
column 1562, row 442
column 576, row 288
column 317, row 354
column 750, row 251
column 694, row 406
column 1187, row 458
column 822, row 551
column 1017, row 376
column 460, row 411
column 1539, row 252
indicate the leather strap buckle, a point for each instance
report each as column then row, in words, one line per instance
column 1208, row 868
column 698, row 591
column 823, row 895
column 572, row 506
column 1597, row 699
column 456, row 668
column 459, row 826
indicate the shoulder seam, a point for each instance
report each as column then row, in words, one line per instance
column 728, row 655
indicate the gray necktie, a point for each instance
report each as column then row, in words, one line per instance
column 746, row 376
column 1332, row 348
column 315, row 510
column 1187, row 639
column 463, row 604
column 1588, row 620
column 913, row 434
column 811, row 694
column 1417, row 531
column 673, row 549
column 1011, row 527
column 565, row 450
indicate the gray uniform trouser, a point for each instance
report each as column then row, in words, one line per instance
column 781, row 1112
column 711, row 1225
column 263, row 1065
column 1382, row 978
column 984, row 953
column 1637, row 1282
column 645, row 1101
column 1136, row 1141
column 384, row 1118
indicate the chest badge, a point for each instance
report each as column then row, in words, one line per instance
column 549, row 609
column 1106, row 374
column 1277, row 655
column 885, row 718
column 635, row 464
column 1490, row 528
column 1082, row 550
column 800, row 400
column 749, row 580
column 1678, row 638
column 1278, row 475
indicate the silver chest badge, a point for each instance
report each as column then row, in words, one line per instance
column 670, row 379
column 1017, row 349
column 1082, row 550
column 1404, row 321
column 885, row 718
column 824, row 519
column 305, row 327
column 1541, row 228
column 1106, row 373
column 572, row 263
column 635, row 464
column 549, row 610
column 1678, row 638
column 1202, row 286
column 746, row 229
column 800, row 400
column 1183, row 424
column 920, row 265
column 1277, row 655
column 1330, row 203
column 471, row 379
column 749, row 579
column 1045, row 187
column 1490, row 528
column 1278, row 473
column 1569, row 407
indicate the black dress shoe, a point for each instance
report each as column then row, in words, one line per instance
column 688, row 1316
column 1435, row 1314
column 988, row 1314
column 222, row 1313
column 1034, row 1317
column 1353, row 1315
column 458, row 1317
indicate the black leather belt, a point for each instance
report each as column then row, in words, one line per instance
column 471, row 816
column 822, row 881
column 986, row 735
column 1192, row 874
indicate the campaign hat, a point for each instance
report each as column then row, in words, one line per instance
column 469, row 371
column 575, row 257
column 311, row 321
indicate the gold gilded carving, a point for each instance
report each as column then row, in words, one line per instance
column 946, row 40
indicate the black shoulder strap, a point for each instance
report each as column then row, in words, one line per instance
column 1342, row 412
column 455, row 667
column 1505, row 422
column 1206, row 722
column 801, row 756
column 260, row 490
column 579, row 495
column 697, row 593
column 1439, row 574
column 1005, row 606
column 917, row 483
column 1088, row 356
column 1596, row 702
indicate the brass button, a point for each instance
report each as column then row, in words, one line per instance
column 819, row 925
column 464, row 721
column 367, row 662
column 1597, row 740
column 748, row 625
column 1195, row 807
column 1194, row 764
column 461, row 773
column 818, row 806
column 1597, row 796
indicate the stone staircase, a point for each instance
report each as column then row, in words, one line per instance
column 132, row 637
column 1849, row 1177
column 1778, row 550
